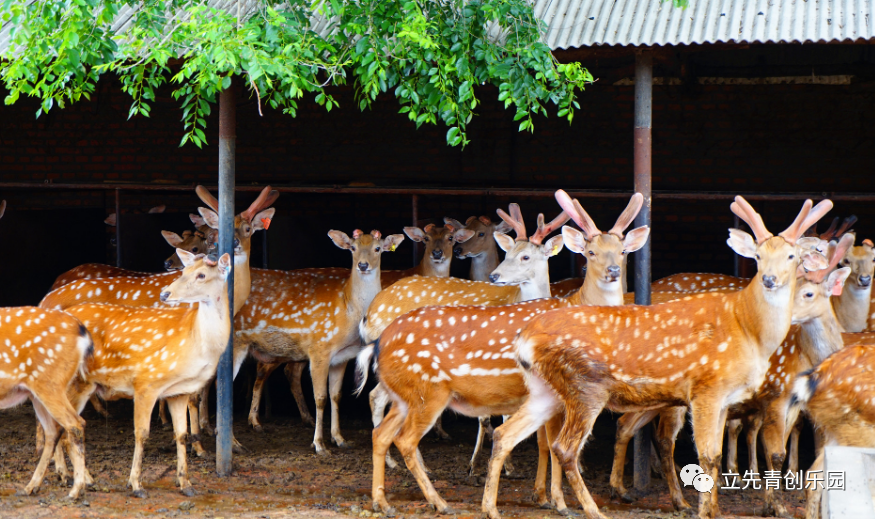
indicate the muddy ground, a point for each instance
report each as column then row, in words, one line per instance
column 281, row 476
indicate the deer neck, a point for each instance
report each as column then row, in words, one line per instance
column 821, row 337
column 852, row 307
column 765, row 317
column 537, row 287
column 242, row 280
column 360, row 290
column 429, row 268
column 597, row 291
column 484, row 263
column 212, row 325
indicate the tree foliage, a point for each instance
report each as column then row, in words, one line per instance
column 431, row 54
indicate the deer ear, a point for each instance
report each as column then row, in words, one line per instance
column 261, row 221
column 225, row 266
column 463, row 235
column 503, row 227
column 813, row 260
column 186, row 257
column 211, row 218
column 172, row 238
column 415, row 233
column 197, row 219
column 742, row 243
column 504, row 241
column 340, row 239
column 391, row 242
column 452, row 221
column 553, row 246
column 574, row 239
column 635, row 239
column 809, row 243
column 836, row 280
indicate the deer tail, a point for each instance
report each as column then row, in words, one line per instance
column 803, row 389
column 86, row 349
column 363, row 359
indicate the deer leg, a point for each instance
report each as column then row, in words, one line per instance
column 539, row 493
column 550, row 432
column 733, row 430
column 51, row 435
column 193, row 415
column 162, row 411
column 671, row 421
column 204, row 409
column 40, row 439
column 481, row 433
column 508, row 461
column 813, row 494
column 178, row 406
column 579, row 420
column 383, row 436
column 627, row 426
column 418, row 421
column 708, row 424
column 98, row 406
column 294, row 371
column 319, row 369
column 537, row 409
column 47, row 407
column 774, row 440
column 61, row 463
column 143, row 406
column 439, row 429
column 335, row 384
column 264, row 371
column 754, row 424
column 379, row 399
column 793, row 448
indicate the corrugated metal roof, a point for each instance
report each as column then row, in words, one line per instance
column 583, row 23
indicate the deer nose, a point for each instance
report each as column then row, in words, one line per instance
column 437, row 254
column 493, row 277
column 457, row 251
column 363, row 266
column 236, row 243
column 165, row 296
column 865, row 281
column 769, row 281
column 168, row 264
column 614, row 271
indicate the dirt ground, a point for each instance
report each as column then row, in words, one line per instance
column 281, row 476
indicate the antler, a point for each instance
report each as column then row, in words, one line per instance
column 846, row 226
column 207, row 198
column 835, row 255
column 628, row 215
column 2, row 207
column 576, row 212
column 267, row 197
column 830, row 231
column 743, row 210
column 515, row 220
column 806, row 218
column 376, row 234
column 545, row 230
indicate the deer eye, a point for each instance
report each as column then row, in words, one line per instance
column 201, row 276
column 526, row 258
column 377, row 249
column 758, row 256
column 809, row 294
column 352, row 248
column 846, row 262
column 194, row 250
column 591, row 253
column 792, row 256
column 425, row 239
column 482, row 234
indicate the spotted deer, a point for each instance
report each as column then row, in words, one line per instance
column 708, row 353
column 837, row 396
column 461, row 357
column 481, row 248
column 151, row 353
column 303, row 316
column 42, row 352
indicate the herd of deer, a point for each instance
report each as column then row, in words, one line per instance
column 732, row 352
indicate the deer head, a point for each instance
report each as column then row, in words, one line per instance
column 256, row 218
column 366, row 249
column 814, row 288
column 861, row 261
column 481, row 240
column 605, row 253
column 195, row 242
column 202, row 281
column 438, row 241
column 525, row 262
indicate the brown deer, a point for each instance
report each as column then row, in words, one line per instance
column 301, row 315
column 852, row 307
column 481, row 248
column 152, row 353
column 708, row 352
column 838, row 398
column 43, row 351
column 460, row 357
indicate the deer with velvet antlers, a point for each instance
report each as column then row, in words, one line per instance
column 461, row 357
column 708, row 353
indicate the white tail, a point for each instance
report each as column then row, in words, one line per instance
column 362, row 367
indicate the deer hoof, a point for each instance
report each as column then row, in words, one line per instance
column 308, row 420
column 257, row 428
column 447, row 511
column 344, row 444
column 566, row 512
column 140, row 494
column 21, row 492
column 166, row 425
column 188, row 492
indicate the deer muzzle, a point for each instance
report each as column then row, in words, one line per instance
column 614, row 272
column 770, row 281
column 437, row 254
column 364, row 266
column 458, row 252
column 165, row 296
column 864, row 281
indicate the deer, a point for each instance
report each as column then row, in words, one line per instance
column 148, row 353
column 197, row 242
column 301, row 316
column 44, row 351
column 460, row 356
column 707, row 353
column 852, row 307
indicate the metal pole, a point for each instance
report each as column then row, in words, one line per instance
column 414, row 203
column 225, row 375
column 118, row 229
column 642, row 140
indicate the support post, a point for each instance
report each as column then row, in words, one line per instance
column 118, row 228
column 414, row 205
column 225, row 374
column 642, row 161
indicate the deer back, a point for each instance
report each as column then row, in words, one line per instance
column 142, row 291
column 95, row 271
column 693, row 282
